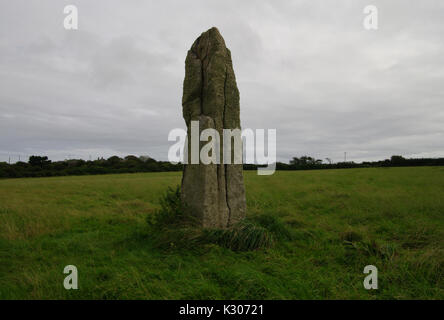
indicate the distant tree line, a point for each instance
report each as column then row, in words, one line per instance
column 309, row 163
column 41, row 166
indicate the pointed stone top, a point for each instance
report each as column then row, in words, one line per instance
column 209, row 41
column 213, row 33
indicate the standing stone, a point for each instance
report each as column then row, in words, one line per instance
column 213, row 193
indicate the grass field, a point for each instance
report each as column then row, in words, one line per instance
column 341, row 221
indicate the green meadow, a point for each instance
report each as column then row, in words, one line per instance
column 339, row 220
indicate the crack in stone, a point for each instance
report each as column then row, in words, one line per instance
column 223, row 143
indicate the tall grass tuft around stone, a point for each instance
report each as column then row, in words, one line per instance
column 171, row 210
column 171, row 227
column 243, row 236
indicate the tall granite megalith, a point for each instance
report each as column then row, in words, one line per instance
column 213, row 193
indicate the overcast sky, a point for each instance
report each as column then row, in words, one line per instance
column 307, row 68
